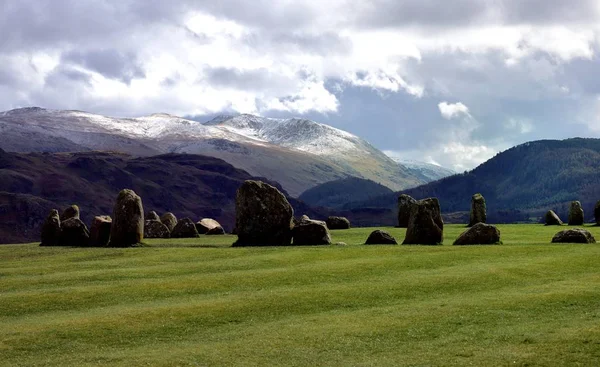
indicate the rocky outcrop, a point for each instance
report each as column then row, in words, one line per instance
column 576, row 235
column 263, row 216
column 74, row 233
column 185, row 228
column 100, row 231
column 156, row 229
column 479, row 234
column 128, row 220
column 576, row 214
column 425, row 226
column 311, row 232
column 405, row 204
column 338, row 223
column 70, row 212
column 379, row 237
column 170, row 220
column 51, row 229
column 552, row 219
column 478, row 214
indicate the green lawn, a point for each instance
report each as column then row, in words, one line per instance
column 201, row 303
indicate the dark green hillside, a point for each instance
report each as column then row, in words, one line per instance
column 531, row 178
column 336, row 194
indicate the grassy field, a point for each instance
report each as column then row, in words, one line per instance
column 201, row 303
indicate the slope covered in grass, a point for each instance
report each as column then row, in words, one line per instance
column 199, row 302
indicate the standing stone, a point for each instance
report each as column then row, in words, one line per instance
column 479, row 234
column 170, row 220
column 152, row 216
column 155, row 229
column 597, row 213
column 575, row 235
column 575, row 214
column 206, row 224
column 51, row 229
column 185, row 228
column 552, row 219
column 263, row 216
column 478, row 214
column 74, row 233
column 425, row 226
column 70, row 212
column 405, row 203
column 128, row 220
column 311, row 232
column 379, row 237
column 100, row 231
column 338, row 223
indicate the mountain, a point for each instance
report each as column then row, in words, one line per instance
column 297, row 153
column 521, row 183
column 336, row 194
column 188, row 185
column 426, row 171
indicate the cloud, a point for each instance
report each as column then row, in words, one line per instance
column 393, row 72
column 450, row 111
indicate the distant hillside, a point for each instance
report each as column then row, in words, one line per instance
column 297, row 153
column 336, row 194
column 425, row 171
column 523, row 181
column 189, row 185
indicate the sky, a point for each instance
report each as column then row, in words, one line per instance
column 446, row 82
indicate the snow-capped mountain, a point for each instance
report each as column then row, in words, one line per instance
column 426, row 171
column 298, row 153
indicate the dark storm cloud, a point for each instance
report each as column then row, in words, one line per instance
column 110, row 63
column 64, row 74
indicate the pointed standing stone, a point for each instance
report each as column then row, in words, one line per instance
column 478, row 214
column 576, row 214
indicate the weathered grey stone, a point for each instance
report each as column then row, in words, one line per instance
column 425, row 226
column 338, row 223
column 100, row 231
column 70, row 212
column 311, row 232
column 552, row 219
column 185, row 228
column 478, row 214
column 479, row 234
column 597, row 213
column 379, row 237
column 170, row 220
column 128, row 220
column 156, row 229
column 51, row 229
column 152, row 216
column 576, row 214
column 405, row 203
column 74, row 233
column 575, row 235
column 263, row 216
column 206, row 224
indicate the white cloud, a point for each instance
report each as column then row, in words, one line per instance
column 453, row 110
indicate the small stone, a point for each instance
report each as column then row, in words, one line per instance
column 379, row 237
column 310, row 233
column 576, row 235
column 552, row 219
column 100, row 231
column 338, row 223
column 185, row 228
column 51, row 229
column 479, row 234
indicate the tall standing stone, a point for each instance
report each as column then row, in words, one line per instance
column 51, row 229
column 405, row 204
column 100, row 231
column 170, row 220
column 478, row 214
column 128, row 220
column 70, row 212
column 425, row 226
column 263, row 216
column 552, row 219
column 576, row 214
column 597, row 213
